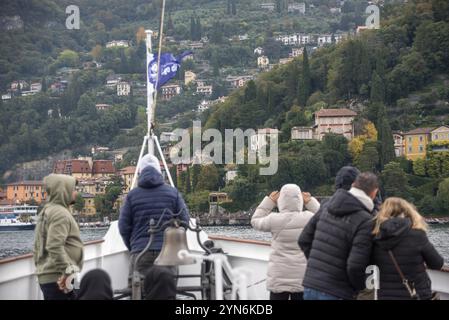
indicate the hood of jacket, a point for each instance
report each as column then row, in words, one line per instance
column 290, row 199
column 150, row 178
column 345, row 177
column 59, row 189
column 343, row 203
column 95, row 285
column 392, row 231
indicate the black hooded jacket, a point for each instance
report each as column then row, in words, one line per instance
column 337, row 242
column 95, row 285
column 412, row 251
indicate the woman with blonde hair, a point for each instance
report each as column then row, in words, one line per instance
column 402, row 252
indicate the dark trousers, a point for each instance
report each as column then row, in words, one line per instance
column 144, row 265
column 51, row 292
column 286, row 296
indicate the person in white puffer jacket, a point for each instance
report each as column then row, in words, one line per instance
column 287, row 262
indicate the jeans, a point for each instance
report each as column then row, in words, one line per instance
column 51, row 292
column 286, row 295
column 312, row 294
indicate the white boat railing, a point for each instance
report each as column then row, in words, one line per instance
column 18, row 280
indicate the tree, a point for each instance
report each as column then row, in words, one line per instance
column 369, row 157
column 442, row 197
column 196, row 170
column 198, row 202
column 335, row 152
column 198, row 29
column 192, row 28
column 170, row 25
column 79, row 203
column 355, row 146
column 394, row 181
column 209, row 178
column 188, row 182
column 44, row 84
column 377, row 96
column 243, row 194
column 104, row 204
column 440, row 10
column 385, row 137
column 86, row 107
column 419, row 167
column 250, row 91
column 233, row 8
column 96, row 52
column 68, row 58
column 140, row 35
column 304, row 82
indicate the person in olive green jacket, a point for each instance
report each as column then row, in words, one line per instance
column 58, row 249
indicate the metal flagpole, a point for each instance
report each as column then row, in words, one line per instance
column 150, row 138
column 150, row 92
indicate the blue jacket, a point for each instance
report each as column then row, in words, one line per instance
column 147, row 202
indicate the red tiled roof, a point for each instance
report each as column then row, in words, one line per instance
column 27, row 182
column 128, row 170
column 77, row 166
column 426, row 130
column 342, row 112
column 80, row 166
column 103, row 166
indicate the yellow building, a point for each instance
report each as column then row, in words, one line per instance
column 93, row 186
column 416, row 142
column 440, row 134
column 89, row 204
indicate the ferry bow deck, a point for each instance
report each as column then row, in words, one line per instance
column 18, row 281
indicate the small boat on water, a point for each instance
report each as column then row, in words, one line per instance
column 18, row 218
column 10, row 223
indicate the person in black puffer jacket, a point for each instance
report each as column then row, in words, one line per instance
column 148, row 201
column 338, row 242
column 401, row 229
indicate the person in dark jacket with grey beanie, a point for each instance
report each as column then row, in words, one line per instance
column 338, row 242
column 148, row 201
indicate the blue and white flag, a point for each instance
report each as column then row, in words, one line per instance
column 169, row 66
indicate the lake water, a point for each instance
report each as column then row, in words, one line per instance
column 13, row 243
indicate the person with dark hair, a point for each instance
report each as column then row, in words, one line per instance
column 95, row 285
column 338, row 244
column 345, row 177
column 159, row 284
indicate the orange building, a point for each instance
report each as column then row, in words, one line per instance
column 127, row 175
column 25, row 191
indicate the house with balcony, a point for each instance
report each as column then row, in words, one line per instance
column 338, row 121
